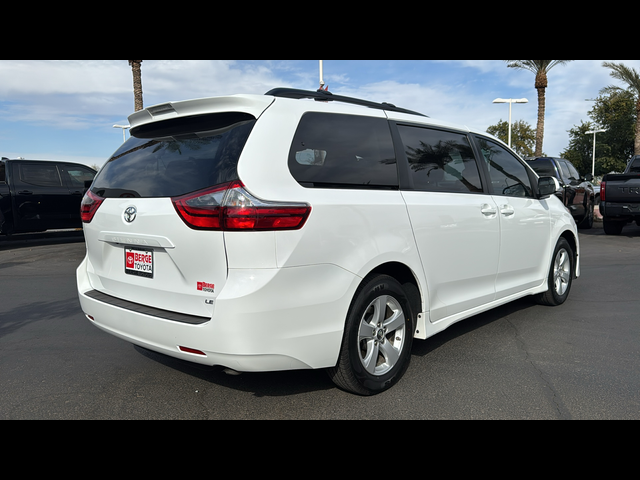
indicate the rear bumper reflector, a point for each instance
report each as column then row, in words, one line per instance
column 192, row 350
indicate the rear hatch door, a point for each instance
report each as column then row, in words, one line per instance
column 139, row 248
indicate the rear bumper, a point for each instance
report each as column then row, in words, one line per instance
column 254, row 327
column 621, row 210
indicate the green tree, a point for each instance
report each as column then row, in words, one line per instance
column 580, row 150
column 539, row 69
column 631, row 77
column 137, row 83
column 523, row 137
column 614, row 111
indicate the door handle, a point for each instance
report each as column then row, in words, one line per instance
column 507, row 210
column 487, row 210
column 26, row 192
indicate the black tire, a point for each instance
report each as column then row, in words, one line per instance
column 561, row 273
column 612, row 227
column 587, row 221
column 376, row 346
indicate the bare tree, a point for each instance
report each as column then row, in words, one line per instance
column 540, row 69
column 137, row 83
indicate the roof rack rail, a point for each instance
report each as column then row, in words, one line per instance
column 325, row 96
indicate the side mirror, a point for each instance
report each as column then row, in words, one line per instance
column 547, row 186
column 588, row 177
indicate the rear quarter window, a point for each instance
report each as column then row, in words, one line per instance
column 343, row 151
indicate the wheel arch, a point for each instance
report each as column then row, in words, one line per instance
column 409, row 281
column 573, row 243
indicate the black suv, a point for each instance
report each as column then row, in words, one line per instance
column 577, row 192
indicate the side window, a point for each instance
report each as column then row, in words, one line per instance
column 573, row 173
column 565, row 172
column 343, row 151
column 508, row 175
column 2, row 177
column 440, row 161
column 77, row 175
column 40, row 174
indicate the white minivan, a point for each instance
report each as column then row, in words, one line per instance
column 301, row 229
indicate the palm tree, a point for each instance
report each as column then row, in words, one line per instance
column 631, row 77
column 540, row 69
column 137, row 83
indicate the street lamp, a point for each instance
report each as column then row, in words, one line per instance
column 594, row 131
column 123, row 127
column 510, row 101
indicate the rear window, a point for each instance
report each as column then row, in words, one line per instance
column 343, row 151
column 175, row 157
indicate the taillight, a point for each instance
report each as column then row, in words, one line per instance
column 602, row 191
column 230, row 207
column 89, row 206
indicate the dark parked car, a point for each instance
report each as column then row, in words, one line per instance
column 621, row 198
column 577, row 193
column 38, row 195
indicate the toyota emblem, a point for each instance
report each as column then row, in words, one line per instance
column 130, row 214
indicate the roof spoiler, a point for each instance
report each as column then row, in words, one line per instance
column 325, row 96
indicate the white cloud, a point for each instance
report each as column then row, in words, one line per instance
column 77, row 94
column 83, row 94
column 76, row 77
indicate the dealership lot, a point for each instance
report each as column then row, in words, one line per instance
column 519, row 361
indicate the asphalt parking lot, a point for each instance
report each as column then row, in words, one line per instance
column 519, row 361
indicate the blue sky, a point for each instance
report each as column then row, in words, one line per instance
column 66, row 109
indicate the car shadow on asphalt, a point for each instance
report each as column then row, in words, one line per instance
column 23, row 240
column 260, row 384
column 630, row 230
column 13, row 320
column 269, row 384
column 422, row 348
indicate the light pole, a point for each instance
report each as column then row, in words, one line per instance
column 594, row 131
column 510, row 101
column 321, row 76
column 123, row 127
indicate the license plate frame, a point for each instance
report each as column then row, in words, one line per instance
column 139, row 262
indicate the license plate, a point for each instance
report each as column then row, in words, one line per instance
column 138, row 262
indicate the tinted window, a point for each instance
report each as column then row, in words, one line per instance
column 564, row 169
column 77, row 175
column 333, row 151
column 635, row 166
column 440, row 161
column 184, row 156
column 508, row 176
column 543, row 167
column 573, row 173
column 41, row 174
column 2, row 178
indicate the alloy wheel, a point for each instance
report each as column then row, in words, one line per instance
column 381, row 335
